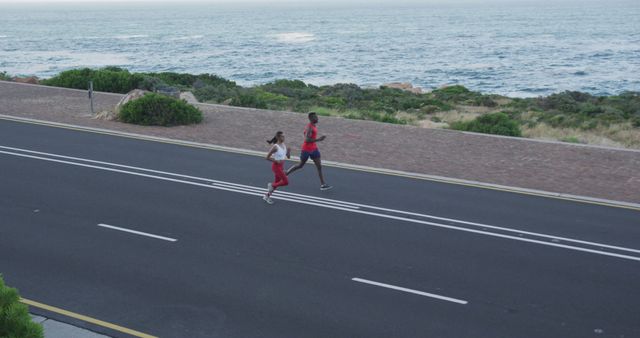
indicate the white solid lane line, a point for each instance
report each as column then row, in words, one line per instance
column 421, row 293
column 224, row 184
column 205, row 185
column 293, row 194
column 278, row 195
column 137, row 232
column 348, row 208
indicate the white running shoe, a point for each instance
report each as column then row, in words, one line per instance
column 267, row 199
column 270, row 187
column 325, row 187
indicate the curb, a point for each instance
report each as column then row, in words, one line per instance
column 58, row 329
column 65, row 320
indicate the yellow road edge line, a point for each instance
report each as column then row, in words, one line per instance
column 85, row 318
column 390, row 172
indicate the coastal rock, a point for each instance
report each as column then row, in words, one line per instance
column 130, row 96
column 398, row 85
column 189, row 97
column 106, row 115
column 404, row 86
column 29, row 79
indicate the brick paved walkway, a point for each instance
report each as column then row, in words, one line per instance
column 563, row 168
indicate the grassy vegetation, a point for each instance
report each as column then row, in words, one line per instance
column 14, row 316
column 119, row 80
column 4, row 76
column 610, row 117
column 348, row 100
column 571, row 139
column 108, row 79
column 493, row 123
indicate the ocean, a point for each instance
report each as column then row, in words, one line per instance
column 509, row 48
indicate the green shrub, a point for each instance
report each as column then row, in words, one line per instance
column 216, row 94
column 259, row 98
column 352, row 95
column 571, row 139
column 569, row 102
column 429, row 109
column 323, row 111
column 150, row 83
column 15, row 321
column 245, row 98
column 187, row 81
column 284, row 84
column 589, row 124
column 332, row 102
column 161, row 110
column 590, row 109
column 627, row 102
column 485, row 101
column 108, row 79
column 5, row 77
column 452, row 93
column 297, row 92
column 374, row 116
column 521, row 104
column 495, row 123
column 175, row 79
column 569, row 109
column 452, row 90
column 389, row 118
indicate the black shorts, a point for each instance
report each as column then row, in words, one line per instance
column 304, row 155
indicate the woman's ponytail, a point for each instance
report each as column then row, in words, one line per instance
column 274, row 140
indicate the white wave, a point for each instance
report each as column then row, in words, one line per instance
column 80, row 37
column 3, row 36
column 294, row 37
column 189, row 37
column 132, row 36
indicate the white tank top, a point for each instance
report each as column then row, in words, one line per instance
column 281, row 153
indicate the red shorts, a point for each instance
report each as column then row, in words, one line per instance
column 281, row 178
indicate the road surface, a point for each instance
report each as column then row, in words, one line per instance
column 176, row 241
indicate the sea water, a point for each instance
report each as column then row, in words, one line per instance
column 512, row 47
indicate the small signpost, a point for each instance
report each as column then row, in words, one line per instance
column 91, row 96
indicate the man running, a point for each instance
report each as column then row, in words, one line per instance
column 310, row 149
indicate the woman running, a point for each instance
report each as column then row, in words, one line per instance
column 277, row 155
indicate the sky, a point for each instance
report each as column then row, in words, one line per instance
column 279, row 1
column 314, row 2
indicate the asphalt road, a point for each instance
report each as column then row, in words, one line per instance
column 377, row 256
